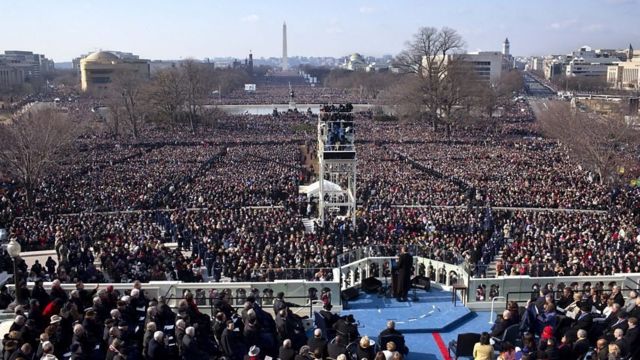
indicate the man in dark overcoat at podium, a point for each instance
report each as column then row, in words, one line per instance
column 405, row 263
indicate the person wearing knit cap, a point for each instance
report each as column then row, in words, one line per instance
column 547, row 333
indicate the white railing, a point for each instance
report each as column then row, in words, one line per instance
column 443, row 273
column 297, row 291
column 505, row 288
column 519, row 288
column 493, row 301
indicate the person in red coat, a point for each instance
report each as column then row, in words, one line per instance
column 53, row 308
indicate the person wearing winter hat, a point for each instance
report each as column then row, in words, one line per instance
column 547, row 333
column 253, row 354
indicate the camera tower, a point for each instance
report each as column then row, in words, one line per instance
column 337, row 160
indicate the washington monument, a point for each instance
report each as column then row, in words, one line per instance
column 285, row 61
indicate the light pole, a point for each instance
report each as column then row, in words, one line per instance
column 14, row 249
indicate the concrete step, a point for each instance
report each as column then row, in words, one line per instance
column 309, row 226
column 491, row 271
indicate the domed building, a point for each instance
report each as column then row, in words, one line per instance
column 98, row 69
column 355, row 62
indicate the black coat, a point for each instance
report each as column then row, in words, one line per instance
column 619, row 299
column 286, row 354
column 498, row 328
column 40, row 294
column 334, row 349
column 581, row 347
column 348, row 330
column 368, row 353
column 190, row 349
column 232, row 345
column 405, row 262
column 329, row 317
column 623, row 346
column 18, row 353
column 318, row 343
column 155, row 350
column 631, row 337
column 584, row 321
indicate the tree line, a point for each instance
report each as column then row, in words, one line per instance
column 176, row 95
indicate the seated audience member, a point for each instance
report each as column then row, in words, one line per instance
column 508, row 352
column 529, row 346
column 364, row 349
column 390, row 350
column 581, row 345
column 572, row 310
column 614, row 352
column 631, row 335
column 336, row 347
column 483, row 350
column 500, row 326
column 630, row 303
column 602, row 349
column 623, row 347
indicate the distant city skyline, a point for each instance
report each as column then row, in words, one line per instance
column 172, row 30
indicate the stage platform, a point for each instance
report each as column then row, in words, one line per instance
column 433, row 312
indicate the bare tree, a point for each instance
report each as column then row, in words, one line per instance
column 30, row 146
column 598, row 142
column 405, row 98
column 227, row 80
column 581, row 83
column 433, row 56
column 491, row 95
column 369, row 84
column 197, row 79
column 168, row 93
column 129, row 92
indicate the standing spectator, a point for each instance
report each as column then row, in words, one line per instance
column 317, row 342
column 286, row 352
column 156, row 348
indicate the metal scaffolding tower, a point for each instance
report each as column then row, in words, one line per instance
column 337, row 159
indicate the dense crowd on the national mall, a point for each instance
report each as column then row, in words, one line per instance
column 226, row 198
column 302, row 94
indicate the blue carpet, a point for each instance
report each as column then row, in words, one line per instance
column 433, row 312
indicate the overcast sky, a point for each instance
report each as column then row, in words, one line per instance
column 163, row 29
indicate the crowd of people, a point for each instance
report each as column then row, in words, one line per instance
column 303, row 94
column 103, row 323
column 120, row 202
column 573, row 321
column 227, row 197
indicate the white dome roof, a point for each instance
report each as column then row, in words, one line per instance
column 102, row 56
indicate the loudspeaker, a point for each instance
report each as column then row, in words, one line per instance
column 349, row 294
column 371, row 285
column 421, row 282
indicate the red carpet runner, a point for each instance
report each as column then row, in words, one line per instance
column 444, row 351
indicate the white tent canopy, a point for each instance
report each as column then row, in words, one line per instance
column 314, row 189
